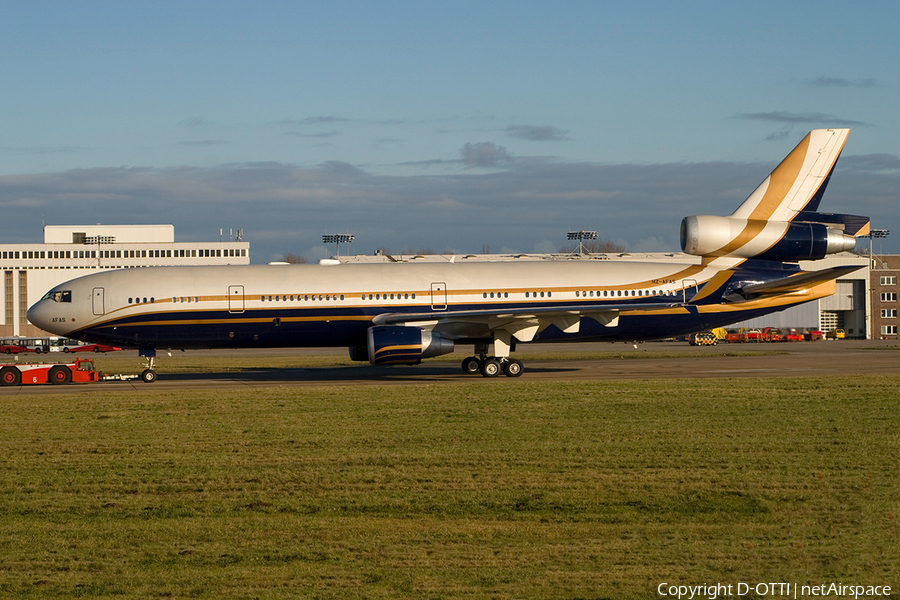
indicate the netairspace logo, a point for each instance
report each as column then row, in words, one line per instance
column 771, row 590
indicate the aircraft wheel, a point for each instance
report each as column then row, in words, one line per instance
column 60, row 375
column 10, row 376
column 471, row 365
column 490, row 367
column 513, row 368
column 148, row 376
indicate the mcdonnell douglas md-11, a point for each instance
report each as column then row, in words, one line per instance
column 401, row 313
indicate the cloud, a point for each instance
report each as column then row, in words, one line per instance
column 524, row 207
column 484, row 154
column 320, row 134
column 872, row 162
column 319, row 120
column 195, row 122
column 544, row 133
column 204, row 143
column 840, row 82
column 802, row 119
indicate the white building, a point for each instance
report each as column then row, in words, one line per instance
column 70, row 251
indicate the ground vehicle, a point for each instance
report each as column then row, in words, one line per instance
column 703, row 338
column 754, row 335
column 16, row 345
column 91, row 348
column 836, row 334
column 36, row 345
column 772, row 334
column 80, row 371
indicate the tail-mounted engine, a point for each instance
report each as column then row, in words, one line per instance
column 398, row 345
column 811, row 238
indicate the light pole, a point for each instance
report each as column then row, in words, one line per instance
column 581, row 236
column 336, row 239
column 874, row 233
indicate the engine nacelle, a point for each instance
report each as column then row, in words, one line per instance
column 398, row 345
column 708, row 235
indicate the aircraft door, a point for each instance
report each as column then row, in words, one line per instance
column 97, row 301
column 689, row 288
column 438, row 296
column 235, row 299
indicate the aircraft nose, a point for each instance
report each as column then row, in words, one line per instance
column 39, row 316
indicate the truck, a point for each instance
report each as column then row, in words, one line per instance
column 80, row 371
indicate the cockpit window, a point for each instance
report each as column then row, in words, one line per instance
column 59, row 296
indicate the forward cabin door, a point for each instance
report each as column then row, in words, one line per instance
column 235, row 299
column 97, row 301
column 438, row 296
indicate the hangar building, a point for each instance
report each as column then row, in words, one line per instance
column 71, row 251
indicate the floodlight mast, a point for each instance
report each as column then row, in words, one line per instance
column 874, row 233
column 336, row 239
column 581, row 236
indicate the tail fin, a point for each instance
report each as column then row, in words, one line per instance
column 799, row 181
column 764, row 225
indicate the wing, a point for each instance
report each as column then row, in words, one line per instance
column 523, row 323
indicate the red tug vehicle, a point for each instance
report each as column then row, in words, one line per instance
column 80, row 371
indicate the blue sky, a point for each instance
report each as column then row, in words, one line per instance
column 447, row 126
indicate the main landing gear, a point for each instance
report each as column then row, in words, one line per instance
column 492, row 366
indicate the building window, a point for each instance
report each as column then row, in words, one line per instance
column 888, row 313
column 888, row 280
column 888, row 330
column 888, row 296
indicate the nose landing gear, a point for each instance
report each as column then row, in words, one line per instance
column 148, row 375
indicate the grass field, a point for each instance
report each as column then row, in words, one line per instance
column 478, row 489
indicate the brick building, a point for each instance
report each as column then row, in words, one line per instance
column 883, row 292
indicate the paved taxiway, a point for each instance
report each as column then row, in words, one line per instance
column 833, row 357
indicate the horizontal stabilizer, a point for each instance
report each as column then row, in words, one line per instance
column 854, row 225
column 796, row 283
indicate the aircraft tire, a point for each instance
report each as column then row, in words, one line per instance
column 60, row 375
column 148, row 376
column 10, row 376
column 513, row 368
column 491, row 367
column 471, row 365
